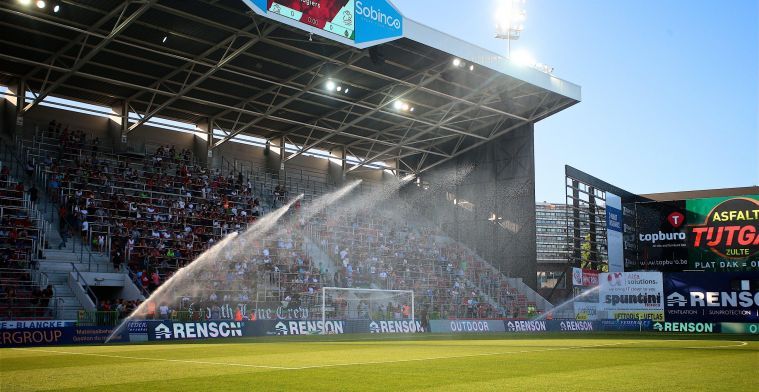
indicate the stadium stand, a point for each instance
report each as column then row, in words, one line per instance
column 151, row 214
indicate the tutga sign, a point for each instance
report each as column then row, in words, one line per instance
column 714, row 297
column 723, row 233
column 168, row 330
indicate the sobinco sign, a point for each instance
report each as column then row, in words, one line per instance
column 167, row 330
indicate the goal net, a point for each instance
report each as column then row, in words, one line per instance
column 366, row 304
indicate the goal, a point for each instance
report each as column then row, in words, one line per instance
column 339, row 303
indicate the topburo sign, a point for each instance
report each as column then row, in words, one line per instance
column 715, row 297
column 167, row 330
column 662, row 237
column 395, row 326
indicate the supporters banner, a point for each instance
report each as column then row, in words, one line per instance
column 630, row 291
column 714, row 297
column 466, row 326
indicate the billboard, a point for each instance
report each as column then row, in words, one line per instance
column 712, row 297
column 614, row 231
column 723, row 233
column 662, row 236
column 624, row 293
column 361, row 23
column 718, row 234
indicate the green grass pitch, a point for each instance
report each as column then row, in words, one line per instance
column 394, row 363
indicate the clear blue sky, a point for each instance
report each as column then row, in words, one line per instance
column 670, row 87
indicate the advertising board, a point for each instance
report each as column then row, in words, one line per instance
column 630, row 291
column 466, row 326
column 718, row 234
column 712, row 296
column 361, row 23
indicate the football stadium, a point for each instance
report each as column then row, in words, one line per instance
column 330, row 195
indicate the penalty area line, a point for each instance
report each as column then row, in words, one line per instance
column 158, row 359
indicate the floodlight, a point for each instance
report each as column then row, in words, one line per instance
column 339, row 88
column 398, row 105
column 41, row 4
column 456, row 62
column 331, row 85
column 56, row 8
column 25, row 2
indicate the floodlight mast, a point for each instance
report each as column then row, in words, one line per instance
column 511, row 16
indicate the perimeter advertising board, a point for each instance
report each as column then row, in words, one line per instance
column 585, row 291
column 713, row 234
column 631, row 295
column 712, row 297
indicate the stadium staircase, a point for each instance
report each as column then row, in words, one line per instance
column 62, row 266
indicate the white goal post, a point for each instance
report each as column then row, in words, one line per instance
column 366, row 304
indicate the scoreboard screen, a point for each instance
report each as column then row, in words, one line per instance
column 335, row 16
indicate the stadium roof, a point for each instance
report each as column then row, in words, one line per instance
column 253, row 75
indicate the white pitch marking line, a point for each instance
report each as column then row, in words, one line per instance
column 460, row 356
column 158, row 359
column 740, row 343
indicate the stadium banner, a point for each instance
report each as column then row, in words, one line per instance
column 662, row 236
column 714, row 297
column 686, row 327
column 654, row 315
column 584, row 286
column 395, row 326
column 466, row 326
column 723, row 233
column 556, row 325
column 630, row 291
column 360, row 23
column 740, row 328
column 301, row 327
column 719, row 234
column 625, row 325
column 23, row 337
column 176, row 330
column 614, row 229
column 18, row 324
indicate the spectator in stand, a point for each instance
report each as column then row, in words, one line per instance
column 47, row 295
column 33, row 193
